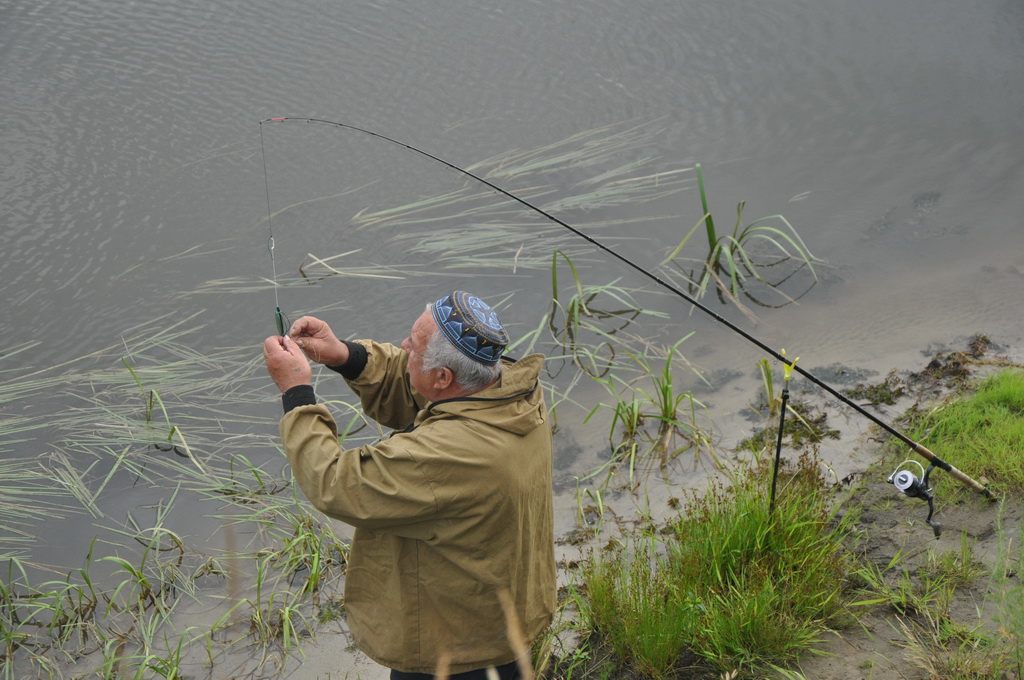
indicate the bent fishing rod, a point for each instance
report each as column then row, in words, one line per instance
column 675, row 290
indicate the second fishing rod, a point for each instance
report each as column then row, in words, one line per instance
column 917, row 447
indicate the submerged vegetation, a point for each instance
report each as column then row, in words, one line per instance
column 151, row 421
column 573, row 180
column 596, row 169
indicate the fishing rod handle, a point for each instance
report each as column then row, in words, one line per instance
column 957, row 474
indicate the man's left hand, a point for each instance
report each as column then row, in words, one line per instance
column 287, row 365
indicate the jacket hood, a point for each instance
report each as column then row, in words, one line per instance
column 515, row 403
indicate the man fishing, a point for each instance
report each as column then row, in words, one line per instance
column 451, row 569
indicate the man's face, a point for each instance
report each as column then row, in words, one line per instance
column 415, row 345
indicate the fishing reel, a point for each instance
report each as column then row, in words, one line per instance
column 907, row 482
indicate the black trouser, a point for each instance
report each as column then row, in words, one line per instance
column 509, row 671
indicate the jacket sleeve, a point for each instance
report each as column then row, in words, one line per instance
column 379, row 486
column 383, row 386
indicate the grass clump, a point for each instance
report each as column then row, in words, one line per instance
column 643, row 616
column 726, row 584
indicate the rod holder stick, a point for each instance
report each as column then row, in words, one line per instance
column 787, row 375
column 778, row 449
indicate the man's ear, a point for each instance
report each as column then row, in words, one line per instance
column 444, row 378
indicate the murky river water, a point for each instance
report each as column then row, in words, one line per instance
column 132, row 186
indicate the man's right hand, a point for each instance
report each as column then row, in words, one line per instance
column 318, row 342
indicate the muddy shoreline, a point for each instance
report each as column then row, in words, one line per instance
column 891, row 533
column 891, row 526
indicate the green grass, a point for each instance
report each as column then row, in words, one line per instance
column 641, row 614
column 982, row 430
column 726, row 583
column 958, row 567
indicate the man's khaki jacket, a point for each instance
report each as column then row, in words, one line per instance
column 452, row 513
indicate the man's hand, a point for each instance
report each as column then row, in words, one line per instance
column 318, row 341
column 286, row 364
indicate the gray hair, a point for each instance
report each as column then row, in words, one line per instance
column 470, row 374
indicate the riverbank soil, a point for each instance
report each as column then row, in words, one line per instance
column 923, row 624
column 924, row 604
column 893, row 640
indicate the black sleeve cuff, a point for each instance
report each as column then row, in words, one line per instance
column 300, row 395
column 357, row 358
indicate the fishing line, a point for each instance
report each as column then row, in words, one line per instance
column 278, row 314
column 916, row 446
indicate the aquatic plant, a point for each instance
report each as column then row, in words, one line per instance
column 649, row 414
column 734, row 259
column 584, row 325
column 599, row 168
column 805, row 425
column 28, row 495
column 469, row 230
column 153, row 412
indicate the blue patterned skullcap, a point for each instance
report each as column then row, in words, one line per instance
column 471, row 325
